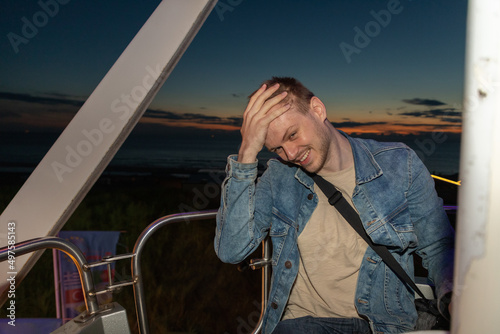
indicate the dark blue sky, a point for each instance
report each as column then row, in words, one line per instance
column 379, row 66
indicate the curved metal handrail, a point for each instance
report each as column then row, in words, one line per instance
column 140, row 299
column 140, row 302
column 72, row 251
column 89, row 292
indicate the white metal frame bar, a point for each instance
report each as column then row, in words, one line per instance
column 477, row 271
column 78, row 157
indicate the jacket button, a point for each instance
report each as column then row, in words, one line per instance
column 288, row 264
column 274, row 305
column 310, row 196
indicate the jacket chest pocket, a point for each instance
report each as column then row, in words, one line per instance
column 279, row 232
column 394, row 230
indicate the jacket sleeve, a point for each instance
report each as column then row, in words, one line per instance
column 240, row 229
column 432, row 227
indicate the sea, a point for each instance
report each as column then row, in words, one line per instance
column 21, row 152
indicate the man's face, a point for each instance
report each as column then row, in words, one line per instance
column 299, row 138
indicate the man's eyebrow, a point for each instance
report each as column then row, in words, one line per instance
column 285, row 135
column 290, row 129
column 273, row 149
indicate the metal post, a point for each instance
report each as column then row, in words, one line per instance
column 266, row 270
column 57, row 283
column 477, row 272
column 139, row 293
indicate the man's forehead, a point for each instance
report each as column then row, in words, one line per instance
column 292, row 115
column 281, row 125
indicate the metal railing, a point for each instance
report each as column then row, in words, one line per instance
column 139, row 292
column 72, row 251
column 84, row 268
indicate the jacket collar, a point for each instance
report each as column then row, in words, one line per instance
column 304, row 178
column 365, row 165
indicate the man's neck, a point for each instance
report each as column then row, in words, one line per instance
column 340, row 154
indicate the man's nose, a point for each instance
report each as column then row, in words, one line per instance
column 290, row 150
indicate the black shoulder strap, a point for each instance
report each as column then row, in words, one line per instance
column 336, row 199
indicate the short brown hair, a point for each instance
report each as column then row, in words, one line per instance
column 297, row 93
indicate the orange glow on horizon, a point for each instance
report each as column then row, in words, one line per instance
column 191, row 124
column 365, row 129
column 399, row 129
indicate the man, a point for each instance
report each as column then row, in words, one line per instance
column 325, row 277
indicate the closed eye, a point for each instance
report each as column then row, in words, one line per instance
column 276, row 150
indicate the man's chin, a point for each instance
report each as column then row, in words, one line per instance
column 311, row 169
column 314, row 168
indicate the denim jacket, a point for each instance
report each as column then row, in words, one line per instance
column 397, row 203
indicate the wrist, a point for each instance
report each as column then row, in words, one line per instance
column 241, row 171
column 247, row 156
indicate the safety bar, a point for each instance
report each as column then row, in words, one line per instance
column 140, row 299
column 72, row 251
column 84, row 268
column 140, row 302
column 265, row 265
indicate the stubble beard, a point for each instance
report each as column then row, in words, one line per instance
column 322, row 152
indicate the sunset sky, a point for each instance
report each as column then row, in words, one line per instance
column 379, row 66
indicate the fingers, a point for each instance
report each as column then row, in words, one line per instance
column 255, row 96
column 260, row 99
column 260, row 112
column 262, row 109
column 277, row 111
column 273, row 102
column 261, row 115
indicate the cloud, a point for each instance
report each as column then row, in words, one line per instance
column 424, row 102
column 351, row 124
column 415, row 114
column 236, row 121
column 193, row 117
column 41, row 99
column 169, row 115
column 53, row 109
column 62, row 96
column 449, row 112
column 426, row 125
column 435, row 113
column 452, row 120
column 202, row 118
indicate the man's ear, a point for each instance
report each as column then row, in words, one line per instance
column 318, row 108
